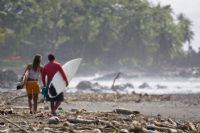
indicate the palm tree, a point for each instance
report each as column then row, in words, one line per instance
column 185, row 24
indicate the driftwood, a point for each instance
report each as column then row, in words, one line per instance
column 166, row 124
column 5, row 131
column 192, row 127
column 125, row 111
column 172, row 122
column 149, row 131
column 13, row 123
column 83, row 121
column 163, row 129
column 113, row 84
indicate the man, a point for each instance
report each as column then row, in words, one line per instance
column 50, row 70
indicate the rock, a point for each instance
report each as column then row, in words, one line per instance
column 54, row 120
column 129, row 85
column 123, row 131
column 123, row 86
column 144, row 85
column 46, row 107
column 84, row 85
column 67, row 124
column 87, row 85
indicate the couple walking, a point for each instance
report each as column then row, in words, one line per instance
column 35, row 73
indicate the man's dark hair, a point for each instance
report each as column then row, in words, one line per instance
column 51, row 57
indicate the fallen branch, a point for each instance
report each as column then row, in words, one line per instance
column 125, row 111
column 172, row 122
column 13, row 124
column 113, row 84
column 162, row 129
column 149, row 131
column 168, row 125
column 83, row 121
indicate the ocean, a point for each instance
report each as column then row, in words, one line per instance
column 153, row 85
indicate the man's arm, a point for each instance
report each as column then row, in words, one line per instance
column 63, row 74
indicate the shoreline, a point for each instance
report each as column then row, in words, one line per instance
column 177, row 106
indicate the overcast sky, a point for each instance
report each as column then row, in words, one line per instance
column 191, row 9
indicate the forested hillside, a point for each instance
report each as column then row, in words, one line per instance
column 106, row 33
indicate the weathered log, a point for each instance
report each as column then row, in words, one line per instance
column 192, row 127
column 83, row 121
column 168, row 125
column 149, row 131
column 5, row 131
column 125, row 111
column 172, row 122
column 162, row 129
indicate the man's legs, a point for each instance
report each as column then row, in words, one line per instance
column 54, row 106
column 57, row 104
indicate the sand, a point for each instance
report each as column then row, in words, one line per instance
column 146, row 109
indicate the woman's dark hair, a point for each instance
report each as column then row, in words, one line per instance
column 51, row 57
column 36, row 62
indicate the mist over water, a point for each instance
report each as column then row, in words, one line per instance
column 156, row 85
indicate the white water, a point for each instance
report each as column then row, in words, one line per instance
column 171, row 85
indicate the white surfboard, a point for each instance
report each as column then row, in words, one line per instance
column 70, row 68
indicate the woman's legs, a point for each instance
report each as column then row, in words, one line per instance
column 33, row 90
column 35, row 98
column 30, row 97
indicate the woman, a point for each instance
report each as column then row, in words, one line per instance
column 34, row 71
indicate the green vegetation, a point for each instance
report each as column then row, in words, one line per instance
column 105, row 32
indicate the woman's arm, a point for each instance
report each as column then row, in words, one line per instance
column 28, row 67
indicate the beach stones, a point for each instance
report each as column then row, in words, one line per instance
column 96, row 131
column 123, row 131
column 54, row 120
